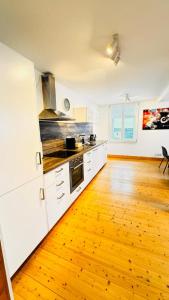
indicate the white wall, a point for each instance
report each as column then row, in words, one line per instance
column 148, row 141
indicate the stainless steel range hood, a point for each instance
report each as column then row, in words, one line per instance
column 49, row 101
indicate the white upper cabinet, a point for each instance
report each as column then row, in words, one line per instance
column 19, row 128
column 82, row 114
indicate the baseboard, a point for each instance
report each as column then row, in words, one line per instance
column 134, row 157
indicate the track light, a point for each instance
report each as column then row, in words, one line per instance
column 127, row 98
column 113, row 49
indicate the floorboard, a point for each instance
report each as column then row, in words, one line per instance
column 113, row 243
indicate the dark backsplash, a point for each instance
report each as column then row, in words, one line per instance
column 60, row 130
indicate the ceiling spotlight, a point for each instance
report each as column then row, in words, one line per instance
column 109, row 50
column 113, row 49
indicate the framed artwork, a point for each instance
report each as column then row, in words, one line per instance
column 154, row 119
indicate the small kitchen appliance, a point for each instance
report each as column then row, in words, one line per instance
column 92, row 139
column 70, row 143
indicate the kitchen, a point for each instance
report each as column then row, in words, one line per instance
column 83, row 199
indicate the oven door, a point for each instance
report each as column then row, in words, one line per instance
column 76, row 176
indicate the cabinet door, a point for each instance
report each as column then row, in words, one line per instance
column 23, row 222
column 104, row 153
column 19, row 128
column 88, row 173
column 5, row 292
column 80, row 114
column 101, row 149
column 96, row 160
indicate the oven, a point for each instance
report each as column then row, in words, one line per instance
column 76, row 170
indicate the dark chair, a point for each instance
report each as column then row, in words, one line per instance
column 165, row 157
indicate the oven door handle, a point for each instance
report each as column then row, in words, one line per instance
column 74, row 168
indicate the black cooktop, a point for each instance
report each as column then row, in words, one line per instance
column 62, row 153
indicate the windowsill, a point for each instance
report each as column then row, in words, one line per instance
column 122, row 142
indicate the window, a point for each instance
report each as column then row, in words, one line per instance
column 124, row 122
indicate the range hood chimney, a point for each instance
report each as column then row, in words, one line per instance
column 49, row 100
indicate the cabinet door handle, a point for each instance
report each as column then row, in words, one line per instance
column 88, row 162
column 78, row 189
column 58, row 171
column 89, row 170
column 61, row 196
column 38, row 158
column 59, row 184
column 42, row 194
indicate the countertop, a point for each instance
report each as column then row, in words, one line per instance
column 50, row 163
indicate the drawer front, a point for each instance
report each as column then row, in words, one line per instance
column 59, row 171
column 60, row 195
column 55, row 175
column 88, row 170
column 49, row 178
column 57, row 202
column 95, row 150
column 87, row 156
column 60, row 181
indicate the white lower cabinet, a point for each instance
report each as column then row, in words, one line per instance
column 23, row 222
column 57, row 193
column 88, row 167
column 94, row 160
column 103, row 153
column 25, row 218
column 99, row 157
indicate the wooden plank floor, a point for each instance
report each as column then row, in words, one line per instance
column 113, row 243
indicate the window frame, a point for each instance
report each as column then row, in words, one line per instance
column 136, row 118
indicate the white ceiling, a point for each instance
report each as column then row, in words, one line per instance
column 68, row 38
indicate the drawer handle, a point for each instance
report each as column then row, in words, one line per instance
column 61, row 196
column 59, row 184
column 89, row 170
column 78, row 189
column 58, row 171
column 42, row 194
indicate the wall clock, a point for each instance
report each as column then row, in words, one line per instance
column 66, row 104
